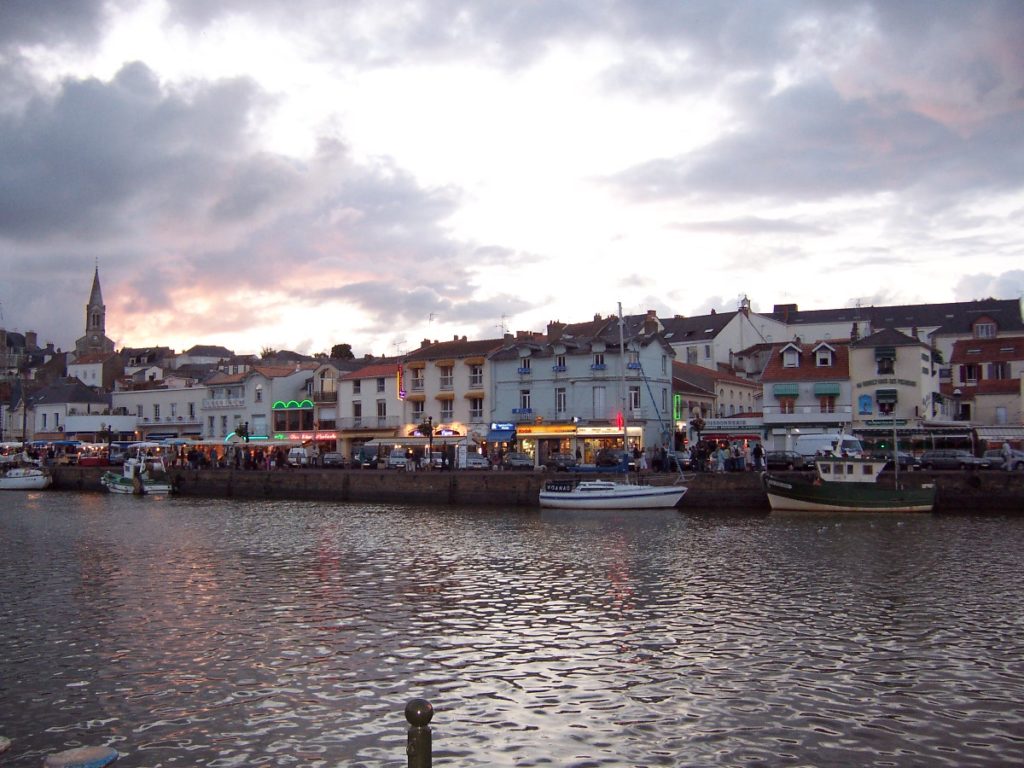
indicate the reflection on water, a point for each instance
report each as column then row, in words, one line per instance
column 217, row 633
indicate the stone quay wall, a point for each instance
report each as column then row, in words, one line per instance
column 989, row 492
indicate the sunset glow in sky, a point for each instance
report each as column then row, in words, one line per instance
column 255, row 173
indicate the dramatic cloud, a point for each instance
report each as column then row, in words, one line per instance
column 256, row 173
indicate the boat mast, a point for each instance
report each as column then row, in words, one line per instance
column 622, row 384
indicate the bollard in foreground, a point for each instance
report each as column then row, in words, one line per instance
column 417, row 746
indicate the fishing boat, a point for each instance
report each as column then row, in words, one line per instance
column 847, row 484
column 141, row 476
column 24, row 479
column 608, row 494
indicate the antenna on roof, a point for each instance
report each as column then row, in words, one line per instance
column 398, row 347
column 502, row 325
column 430, row 319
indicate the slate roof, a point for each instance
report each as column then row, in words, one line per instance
column 948, row 318
column 209, row 350
column 456, row 348
column 68, row 391
column 683, row 330
column 707, row 378
column 888, row 337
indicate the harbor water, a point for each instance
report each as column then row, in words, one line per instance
column 210, row 632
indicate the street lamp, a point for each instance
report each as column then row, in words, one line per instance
column 428, row 427
column 957, row 394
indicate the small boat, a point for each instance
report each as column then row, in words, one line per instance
column 144, row 475
column 24, row 479
column 846, row 484
column 608, row 494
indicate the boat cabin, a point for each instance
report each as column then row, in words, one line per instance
column 837, row 469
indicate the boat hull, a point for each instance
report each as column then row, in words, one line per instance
column 804, row 496
column 126, row 485
column 621, row 496
column 24, row 480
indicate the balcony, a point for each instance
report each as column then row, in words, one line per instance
column 559, row 368
column 367, row 422
column 325, row 397
column 598, row 367
column 523, row 371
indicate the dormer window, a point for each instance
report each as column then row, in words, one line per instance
column 984, row 330
column 791, row 358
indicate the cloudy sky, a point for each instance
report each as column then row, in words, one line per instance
column 261, row 173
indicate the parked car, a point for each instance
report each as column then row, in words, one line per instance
column 614, row 457
column 951, row 458
column 678, row 460
column 908, row 461
column 397, row 459
column 334, row 459
column 786, row 460
column 476, row 461
column 300, row 456
column 995, row 459
column 560, row 462
column 436, row 460
column 515, row 460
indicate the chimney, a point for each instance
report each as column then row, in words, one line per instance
column 31, row 340
column 597, row 316
column 424, row 343
column 651, row 322
column 855, row 332
column 555, row 330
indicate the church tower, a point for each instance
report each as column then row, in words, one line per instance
column 95, row 339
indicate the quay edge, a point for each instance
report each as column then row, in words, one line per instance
column 989, row 492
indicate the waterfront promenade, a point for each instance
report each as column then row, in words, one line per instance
column 959, row 492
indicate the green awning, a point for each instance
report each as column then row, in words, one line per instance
column 885, row 395
column 823, row 389
column 786, row 390
column 888, row 353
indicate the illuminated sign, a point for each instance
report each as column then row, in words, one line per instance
column 400, row 382
column 280, row 405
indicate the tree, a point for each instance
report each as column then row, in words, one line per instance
column 267, row 352
column 342, row 352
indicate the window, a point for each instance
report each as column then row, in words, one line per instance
column 984, row 330
column 357, row 387
column 447, row 410
column 1000, row 370
column 156, row 411
column 357, row 412
column 382, row 410
column 791, row 358
column 787, row 405
column 560, row 363
column 259, row 393
column 380, row 384
column 969, row 374
column 634, row 397
column 476, row 376
column 174, row 409
column 418, row 411
column 691, row 355
column 707, row 351
column 211, row 425
column 191, row 410
column 446, row 377
column 560, row 399
column 886, row 409
column 524, row 400
column 598, row 361
column 664, row 363
column 827, row 403
column 824, row 358
column 886, row 365
column 138, row 411
column 599, row 403
column 633, row 360
column 524, row 365
column 224, row 424
column 44, row 421
column 476, row 408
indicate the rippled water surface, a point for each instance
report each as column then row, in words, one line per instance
column 217, row 633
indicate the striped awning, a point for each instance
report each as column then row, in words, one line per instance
column 786, row 390
column 825, row 388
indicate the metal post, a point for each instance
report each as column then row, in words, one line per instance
column 418, row 743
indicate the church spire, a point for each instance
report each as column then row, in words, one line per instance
column 95, row 312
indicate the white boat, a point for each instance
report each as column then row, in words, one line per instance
column 608, row 494
column 24, row 479
column 145, row 475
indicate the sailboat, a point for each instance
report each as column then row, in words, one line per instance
column 610, row 494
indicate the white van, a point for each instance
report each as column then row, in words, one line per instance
column 810, row 446
column 300, row 456
column 396, row 459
